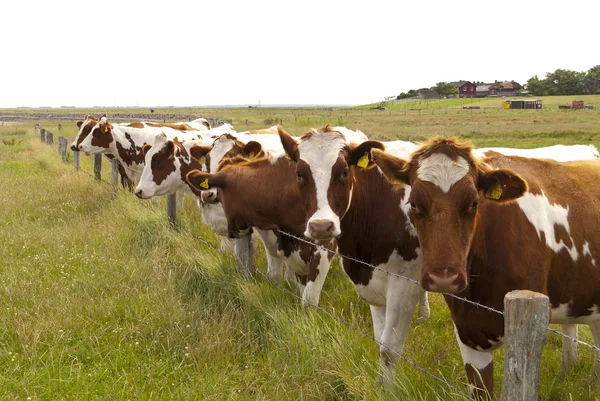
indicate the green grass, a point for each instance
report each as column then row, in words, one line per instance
column 103, row 300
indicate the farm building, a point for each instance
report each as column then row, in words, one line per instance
column 426, row 93
column 522, row 104
column 486, row 90
column 508, row 88
column 465, row 88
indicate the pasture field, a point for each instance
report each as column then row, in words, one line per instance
column 103, row 300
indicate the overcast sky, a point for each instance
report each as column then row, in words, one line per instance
column 219, row 52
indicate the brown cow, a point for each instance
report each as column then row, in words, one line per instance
column 490, row 226
column 261, row 192
column 345, row 200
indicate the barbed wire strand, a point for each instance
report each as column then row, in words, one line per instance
column 390, row 273
column 360, row 331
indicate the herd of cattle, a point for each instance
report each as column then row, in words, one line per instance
column 473, row 222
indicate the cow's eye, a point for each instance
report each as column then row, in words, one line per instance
column 154, row 163
column 474, row 204
column 413, row 205
column 299, row 176
column 345, row 173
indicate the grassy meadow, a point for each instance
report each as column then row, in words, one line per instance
column 102, row 300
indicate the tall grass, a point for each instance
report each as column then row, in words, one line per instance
column 103, row 300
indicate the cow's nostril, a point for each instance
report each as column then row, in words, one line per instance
column 138, row 193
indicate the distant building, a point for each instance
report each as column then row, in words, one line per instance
column 465, row 88
column 486, row 90
column 508, row 88
column 426, row 93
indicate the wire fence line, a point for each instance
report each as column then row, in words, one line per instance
column 362, row 332
column 412, row 280
column 424, row 371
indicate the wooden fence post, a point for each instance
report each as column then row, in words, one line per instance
column 50, row 138
column 43, row 134
column 245, row 255
column 115, row 173
column 37, row 127
column 172, row 208
column 62, row 148
column 98, row 166
column 526, row 319
column 76, row 159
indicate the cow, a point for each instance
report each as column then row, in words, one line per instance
column 345, row 200
column 491, row 225
column 256, row 192
column 125, row 142
column 167, row 162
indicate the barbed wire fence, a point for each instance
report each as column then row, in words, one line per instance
column 518, row 368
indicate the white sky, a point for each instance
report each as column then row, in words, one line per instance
column 195, row 53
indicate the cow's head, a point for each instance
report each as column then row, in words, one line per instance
column 166, row 164
column 99, row 139
column 325, row 167
column 226, row 147
column 449, row 188
column 85, row 127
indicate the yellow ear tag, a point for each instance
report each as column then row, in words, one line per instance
column 494, row 192
column 251, row 155
column 204, row 184
column 202, row 160
column 363, row 162
column 287, row 157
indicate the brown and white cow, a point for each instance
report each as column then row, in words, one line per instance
column 257, row 193
column 125, row 142
column 356, row 205
column 85, row 126
column 492, row 225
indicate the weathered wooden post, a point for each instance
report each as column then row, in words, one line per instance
column 76, row 159
column 98, row 166
column 245, row 255
column 37, row 127
column 526, row 319
column 115, row 174
column 172, row 208
column 50, row 138
column 62, row 141
column 570, row 354
column 43, row 134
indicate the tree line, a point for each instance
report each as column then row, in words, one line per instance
column 559, row 82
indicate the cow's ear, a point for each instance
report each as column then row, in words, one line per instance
column 394, row 169
column 360, row 155
column 199, row 153
column 200, row 181
column 252, row 149
column 289, row 144
column 146, row 148
column 501, row 185
column 170, row 147
column 79, row 124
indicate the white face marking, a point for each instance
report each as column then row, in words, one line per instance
column 442, row 171
column 86, row 144
column 405, row 207
column 544, row 216
column 477, row 359
column 83, row 125
column 221, row 146
column 320, row 151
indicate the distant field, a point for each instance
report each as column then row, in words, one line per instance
column 102, row 300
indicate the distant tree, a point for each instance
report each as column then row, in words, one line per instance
column 445, row 89
column 410, row 93
column 565, row 82
column 591, row 82
column 537, row 86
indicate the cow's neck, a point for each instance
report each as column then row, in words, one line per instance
column 374, row 225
